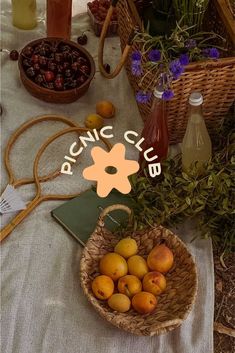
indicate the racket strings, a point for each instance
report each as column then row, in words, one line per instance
column 25, row 148
column 66, row 184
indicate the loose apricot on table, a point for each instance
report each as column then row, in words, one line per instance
column 94, row 121
column 105, row 109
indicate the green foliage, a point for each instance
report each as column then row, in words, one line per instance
column 176, row 196
column 192, row 12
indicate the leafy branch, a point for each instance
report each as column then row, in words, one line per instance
column 176, row 195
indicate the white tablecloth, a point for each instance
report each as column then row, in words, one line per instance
column 43, row 309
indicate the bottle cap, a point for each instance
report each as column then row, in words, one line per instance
column 195, row 98
column 158, row 92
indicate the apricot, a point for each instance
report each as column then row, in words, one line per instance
column 137, row 266
column 129, row 285
column 126, row 247
column 144, row 302
column 113, row 265
column 119, row 302
column 160, row 259
column 103, row 287
column 94, row 121
column 105, row 109
column 154, row 282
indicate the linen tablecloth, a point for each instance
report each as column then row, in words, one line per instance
column 43, row 309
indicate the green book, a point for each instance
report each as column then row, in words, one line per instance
column 79, row 216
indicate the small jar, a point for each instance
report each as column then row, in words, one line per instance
column 24, row 14
column 59, row 15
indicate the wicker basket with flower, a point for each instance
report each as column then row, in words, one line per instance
column 189, row 47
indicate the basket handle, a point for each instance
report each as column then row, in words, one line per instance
column 111, row 208
column 101, row 45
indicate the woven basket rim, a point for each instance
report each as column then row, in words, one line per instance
column 159, row 328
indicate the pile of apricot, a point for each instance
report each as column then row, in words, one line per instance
column 129, row 280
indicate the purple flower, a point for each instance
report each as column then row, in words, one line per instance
column 136, row 56
column 190, row 43
column 176, row 69
column 154, row 55
column 184, row 59
column 143, row 97
column 136, row 68
column 212, row 53
column 167, row 94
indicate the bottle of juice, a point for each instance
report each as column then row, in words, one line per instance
column 196, row 145
column 59, row 15
column 24, row 14
column 155, row 131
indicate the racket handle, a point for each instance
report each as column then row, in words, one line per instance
column 18, row 219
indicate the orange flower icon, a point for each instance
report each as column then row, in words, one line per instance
column 105, row 180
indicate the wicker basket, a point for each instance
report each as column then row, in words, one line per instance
column 173, row 305
column 215, row 79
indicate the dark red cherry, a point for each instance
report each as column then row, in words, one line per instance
column 66, row 55
column 27, row 63
column 82, row 40
column 49, row 76
column 75, row 66
column 35, row 58
column 60, row 69
column 85, row 69
column 42, row 61
column 52, row 66
column 64, row 48
column 66, row 65
column 59, row 86
column 50, row 85
column 58, row 57
column 14, row 55
column 39, row 79
column 30, row 72
column 59, row 77
column 28, row 51
column 81, row 79
column 81, row 60
column 68, row 73
column 107, row 68
column 36, row 67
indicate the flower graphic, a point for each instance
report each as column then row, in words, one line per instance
column 115, row 159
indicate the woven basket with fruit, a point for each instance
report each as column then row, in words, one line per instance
column 97, row 10
column 145, row 283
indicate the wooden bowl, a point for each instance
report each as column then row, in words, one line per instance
column 173, row 305
column 53, row 96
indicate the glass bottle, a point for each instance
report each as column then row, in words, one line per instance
column 59, row 15
column 24, row 14
column 155, row 132
column 196, row 145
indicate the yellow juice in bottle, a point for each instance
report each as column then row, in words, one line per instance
column 196, row 145
column 24, row 14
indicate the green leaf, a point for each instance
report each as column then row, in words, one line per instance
column 188, row 201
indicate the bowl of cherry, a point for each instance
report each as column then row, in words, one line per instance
column 56, row 70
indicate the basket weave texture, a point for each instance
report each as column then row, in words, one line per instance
column 214, row 79
column 173, row 305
